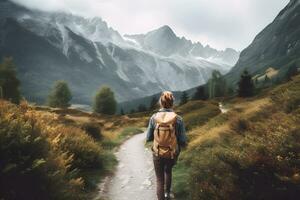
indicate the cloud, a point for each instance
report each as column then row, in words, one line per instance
column 230, row 23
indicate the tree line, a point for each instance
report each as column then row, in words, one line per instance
column 104, row 100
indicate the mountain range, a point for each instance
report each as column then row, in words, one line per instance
column 271, row 53
column 87, row 53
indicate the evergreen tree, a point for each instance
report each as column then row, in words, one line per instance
column 267, row 79
column 200, row 93
column 132, row 111
column 142, row 108
column 60, row 95
column 256, row 80
column 9, row 83
column 104, row 101
column 122, row 112
column 153, row 103
column 216, row 85
column 292, row 71
column 246, row 86
column 184, row 98
column 230, row 91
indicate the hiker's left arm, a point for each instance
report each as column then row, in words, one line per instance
column 150, row 130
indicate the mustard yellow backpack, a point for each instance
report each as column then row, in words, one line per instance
column 165, row 140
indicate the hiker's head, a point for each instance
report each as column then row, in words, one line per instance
column 166, row 99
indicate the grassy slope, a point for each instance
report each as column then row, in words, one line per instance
column 225, row 150
column 251, row 152
column 67, row 125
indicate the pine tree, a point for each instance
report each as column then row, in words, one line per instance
column 267, row 79
column 153, row 104
column 230, row 91
column 200, row 93
column 184, row 98
column 9, row 83
column 217, row 85
column 60, row 95
column 122, row 112
column 292, row 71
column 142, row 108
column 104, row 101
column 256, row 80
column 246, row 86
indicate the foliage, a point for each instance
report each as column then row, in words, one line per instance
column 9, row 83
column 60, row 95
column 40, row 158
column 292, row 71
column 104, row 101
column 196, row 113
column 200, row 93
column 86, row 153
column 153, row 104
column 142, row 108
column 123, row 135
column 122, row 112
column 92, row 130
column 32, row 165
column 217, row 86
column 184, row 98
column 129, row 131
column 246, row 86
column 253, row 155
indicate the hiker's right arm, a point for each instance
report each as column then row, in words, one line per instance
column 150, row 130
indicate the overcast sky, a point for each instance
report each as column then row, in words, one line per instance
column 219, row 23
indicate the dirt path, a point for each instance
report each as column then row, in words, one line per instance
column 134, row 177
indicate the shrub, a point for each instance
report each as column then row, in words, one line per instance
column 240, row 125
column 92, row 130
column 246, row 86
column 86, row 153
column 184, row 98
column 9, row 83
column 60, row 95
column 30, row 166
column 263, row 163
column 105, row 102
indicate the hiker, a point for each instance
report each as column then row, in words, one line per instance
column 166, row 130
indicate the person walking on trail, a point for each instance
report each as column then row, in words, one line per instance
column 167, row 131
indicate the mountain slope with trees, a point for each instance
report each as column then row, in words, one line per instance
column 87, row 53
column 277, row 46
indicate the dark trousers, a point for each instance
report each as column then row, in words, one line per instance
column 163, row 171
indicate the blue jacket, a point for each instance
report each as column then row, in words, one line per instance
column 180, row 129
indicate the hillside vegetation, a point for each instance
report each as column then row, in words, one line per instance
column 56, row 153
column 250, row 152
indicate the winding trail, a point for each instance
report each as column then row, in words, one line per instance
column 134, row 177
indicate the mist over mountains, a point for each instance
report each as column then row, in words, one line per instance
column 87, row 53
column 275, row 48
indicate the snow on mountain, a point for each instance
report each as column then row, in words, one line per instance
column 164, row 41
column 87, row 53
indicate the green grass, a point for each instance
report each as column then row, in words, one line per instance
column 245, row 155
column 196, row 113
column 125, row 133
column 180, row 177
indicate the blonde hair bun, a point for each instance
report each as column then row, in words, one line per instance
column 166, row 99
